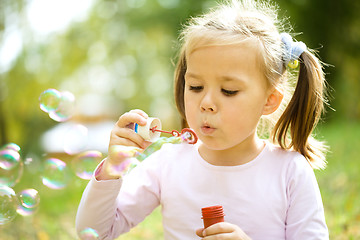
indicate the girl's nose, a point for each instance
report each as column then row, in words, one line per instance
column 209, row 109
column 207, row 104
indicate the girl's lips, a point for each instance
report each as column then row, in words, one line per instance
column 207, row 130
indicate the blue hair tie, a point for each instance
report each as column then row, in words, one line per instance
column 293, row 50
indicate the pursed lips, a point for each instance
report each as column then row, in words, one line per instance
column 207, row 128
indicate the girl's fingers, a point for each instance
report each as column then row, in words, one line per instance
column 146, row 144
column 222, row 230
column 199, row 232
column 134, row 116
column 126, row 137
column 123, row 133
column 123, row 142
column 218, row 228
column 139, row 111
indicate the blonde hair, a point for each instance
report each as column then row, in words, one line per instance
column 235, row 21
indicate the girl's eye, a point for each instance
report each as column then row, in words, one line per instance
column 229, row 92
column 196, row 88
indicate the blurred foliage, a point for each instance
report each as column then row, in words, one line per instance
column 121, row 57
column 332, row 28
column 118, row 59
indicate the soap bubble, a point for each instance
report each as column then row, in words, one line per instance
column 29, row 200
column 88, row 234
column 65, row 109
column 12, row 146
column 59, row 105
column 49, row 100
column 128, row 165
column 56, row 174
column 123, row 168
column 33, row 163
column 28, row 160
column 120, row 151
column 127, row 153
column 186, row 136
column 152, row 148
column 155, row 146
column 11, row 176
column 85, row 163
column 8, row 204
column 24, row 211
column 9, row 159
column 76, row 139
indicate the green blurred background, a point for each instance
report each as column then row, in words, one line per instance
column 117, row 55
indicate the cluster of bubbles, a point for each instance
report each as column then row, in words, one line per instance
column 59, row 105
column 11, row 166
column 25, row 202
column 55, row 175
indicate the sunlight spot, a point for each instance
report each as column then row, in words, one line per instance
column 50, row 16
column 10, row 48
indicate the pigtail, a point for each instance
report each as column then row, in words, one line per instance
column 304, row 112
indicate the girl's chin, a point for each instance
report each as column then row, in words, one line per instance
column 212, row 144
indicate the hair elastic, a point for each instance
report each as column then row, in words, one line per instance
column 293, row 50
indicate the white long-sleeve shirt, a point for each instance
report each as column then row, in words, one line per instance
column 274, row 196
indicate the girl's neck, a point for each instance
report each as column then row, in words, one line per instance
column 239, row 154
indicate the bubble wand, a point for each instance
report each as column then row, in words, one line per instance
column 189, row 134
column 152, row 130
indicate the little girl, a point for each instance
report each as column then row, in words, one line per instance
column 231, row 73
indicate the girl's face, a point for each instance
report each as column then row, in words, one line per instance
column 225, row 94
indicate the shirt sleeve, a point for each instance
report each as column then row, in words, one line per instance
column 113, row 207
column 305, row 215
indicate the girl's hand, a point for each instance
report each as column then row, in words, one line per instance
column 123, row 134
column 222, row 230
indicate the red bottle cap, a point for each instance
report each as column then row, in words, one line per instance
column 212, row 215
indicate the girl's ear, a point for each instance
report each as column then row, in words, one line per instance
column 273, row 101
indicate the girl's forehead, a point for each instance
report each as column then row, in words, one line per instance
column 225, row 62
column 246, row 51
column 206, row 43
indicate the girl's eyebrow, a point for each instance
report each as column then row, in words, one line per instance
column 192, row 75
column 228, row 78
column 224, row 78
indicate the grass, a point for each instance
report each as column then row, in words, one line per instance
column 340, row 181
column 339, row 184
